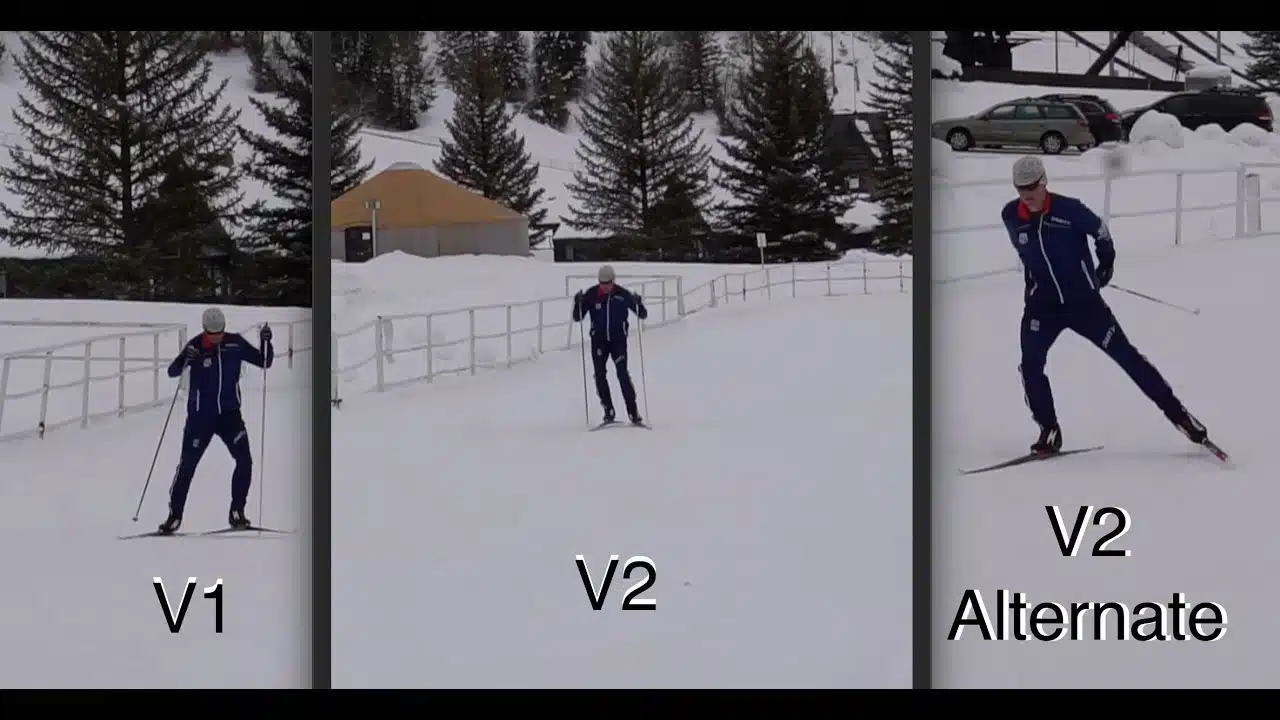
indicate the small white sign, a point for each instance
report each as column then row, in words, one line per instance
column 761, row 242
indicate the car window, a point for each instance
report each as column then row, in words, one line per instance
column 1059, row 112
column 1179, row 105
column 1028, row 112
column 1089, row 108
column 1004, row 112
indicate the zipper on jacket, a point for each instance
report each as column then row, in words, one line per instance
column 608, row 331
column 219, row 378
column 1087, row 276
column 1040, row 236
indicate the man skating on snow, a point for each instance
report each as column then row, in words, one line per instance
column 1051, row 234
column 213, row 408
column 609, row 304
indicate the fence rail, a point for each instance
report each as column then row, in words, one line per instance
column 104, row 376
column 389, row 351
column 1241, row 193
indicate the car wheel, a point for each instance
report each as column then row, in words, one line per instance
column 1052, row 143
column 959, row 140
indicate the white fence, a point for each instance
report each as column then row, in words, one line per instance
column 1234, row 196
column 394, row 350
column 104, row 376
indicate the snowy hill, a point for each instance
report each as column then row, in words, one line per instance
column 849, row 55
column 232, row 67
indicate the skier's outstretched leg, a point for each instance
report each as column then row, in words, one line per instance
column 600, row 364
column 1099, row 326
column 235, row 436
column 618, row 351
column 1039, row 332
column 196, row 435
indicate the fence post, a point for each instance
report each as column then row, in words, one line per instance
column 289, row 344
column 1253, row 204
column 378, row 349
column 1106, row 197
column 1240, row 201
column 44, row 390
column 431, row 351
column 679, row 296
column 768, row 282
column 542, row 306
column 509, row 351
column 829, row 280
column 4, row 388
column 866, row 290
column 84, row 391
column 471, row 319
column 1177, row 210
column 793, row 280
column 123, row 354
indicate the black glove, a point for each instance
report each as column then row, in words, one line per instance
column 190, row 353
column 577, row 306
column 641, row 311
column 1106, row 269
column 265, row 334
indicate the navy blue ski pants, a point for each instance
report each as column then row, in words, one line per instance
column 196, row 436
column 601, row 351
column 1095, row 322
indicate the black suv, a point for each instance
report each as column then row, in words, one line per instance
column 1226, row 107
column 1104, row 119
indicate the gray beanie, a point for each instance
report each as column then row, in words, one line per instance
column 213, row 321
column 1027, row 171
column 606, row 274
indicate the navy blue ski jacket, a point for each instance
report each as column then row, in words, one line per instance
column 609, row 311
column 1054, row 248
column 215, row 372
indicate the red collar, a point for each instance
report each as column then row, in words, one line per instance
column 1025, row 214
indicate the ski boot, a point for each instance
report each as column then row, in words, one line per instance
column 238, row 521
column 635, row 418
column 1188, row 425
column 170, row 525
column 1050, row 441
column 609, row 417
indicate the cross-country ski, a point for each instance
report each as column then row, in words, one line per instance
column 1034, row 456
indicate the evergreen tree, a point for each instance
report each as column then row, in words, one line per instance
column 511, row 59
column 402, row 85
column 640, row 160
column 697, row 64
column 455, row 47
column 891, row 95
column 484, row 151
column 550, row 83
column 99, row 149
column 781, row 173
column 283, row 164
column 1263, row 49
column 573, row 61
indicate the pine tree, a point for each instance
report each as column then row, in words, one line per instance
column 573, row 61
column 484, row 151
column 550, row 84
column 641, row 159
column 781, row 173
column 455, row 46
column 99, row 149
column 697, row 64
column 891, row 95
column 402, row 85
column 283, row 164
column 511, row 58
column 1263, row 49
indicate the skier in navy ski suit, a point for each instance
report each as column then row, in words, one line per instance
column 1050, row 233
column 213, row 408
column 609, row 305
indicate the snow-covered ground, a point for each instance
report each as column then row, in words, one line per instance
column 79, row 606
column 232, row 67
column 780, row 457
column 849, row 54
column 1195, row 527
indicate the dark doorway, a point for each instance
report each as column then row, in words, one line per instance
column 358, row 243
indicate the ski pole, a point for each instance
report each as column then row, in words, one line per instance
column 163, row 431
column 262, row 451
column 582, row 342
column 644, row 384
column 1158, row 301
